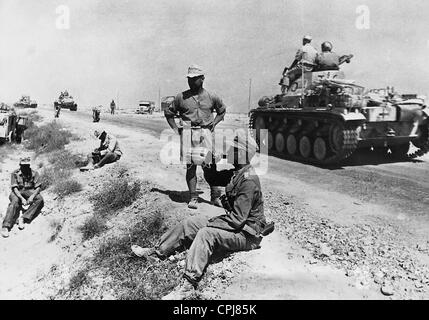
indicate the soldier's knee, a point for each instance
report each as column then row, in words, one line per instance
column 205, row 234
column 39, row 200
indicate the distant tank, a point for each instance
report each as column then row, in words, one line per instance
column 25, row 102
column 322, row 118
column 65, row 101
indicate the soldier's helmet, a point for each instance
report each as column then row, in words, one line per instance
column 327, row 46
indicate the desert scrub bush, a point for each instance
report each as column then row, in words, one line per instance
column 48, row 137
column 78, row 280
column 133, row 278
column 51, row 175
column 67, row 187
column 115, row 194
column 66, row 160
column 92, row 227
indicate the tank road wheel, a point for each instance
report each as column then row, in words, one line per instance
column 305, row 147
column 320, row 149
column 336, row 138
column 279, row 142
column 258, row 126
column 291, row 144
column 270, row 141
column 400, row 151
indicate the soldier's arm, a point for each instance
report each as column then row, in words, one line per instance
column 112, row 144
column 171, row 112
column 220, row 108
column 15, row 190
column 34, row 195
column 242, row 205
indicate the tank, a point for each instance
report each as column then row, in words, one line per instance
column 65, row 101
column 25, row 102
column 323, row 118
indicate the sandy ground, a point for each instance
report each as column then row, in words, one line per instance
column 343, row 233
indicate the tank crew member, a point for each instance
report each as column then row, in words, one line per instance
column 327, row 60
column 240, row 228
column 107, row 152
column 196, row 106
column 304, row 58
column 25, row 185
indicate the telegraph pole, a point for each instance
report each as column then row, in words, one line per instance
column 159, row 98
column 250, row 91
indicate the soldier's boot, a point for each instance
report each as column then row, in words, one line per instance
column 215, row 193
column 183, row 291
column 193, row 203
column 150, row 254
column 87, row 168
column 5, row 232
column 21, row 225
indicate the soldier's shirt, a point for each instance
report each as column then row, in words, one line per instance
column 328, row 61
column 307, row 53
column 111, row 144
column 198, row 109
column 244, row 193
column 19, row 180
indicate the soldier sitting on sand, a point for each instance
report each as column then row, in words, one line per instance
column 241, row 227
column 107, row 152
column 25, row 184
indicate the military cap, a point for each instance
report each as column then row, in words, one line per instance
column 308, row 37
column 194, row 71
column 243, row 141
column 25, row 161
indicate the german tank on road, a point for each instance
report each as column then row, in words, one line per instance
column 323, row 118
column 65, row 101
column 25, row 102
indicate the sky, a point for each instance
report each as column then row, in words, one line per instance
column 131, row 50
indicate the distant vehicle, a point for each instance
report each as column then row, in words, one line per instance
column 166, row 102
column 12, row 127
column 4, row 107
column 66, row 101
column 25, row 102
column 145, row 107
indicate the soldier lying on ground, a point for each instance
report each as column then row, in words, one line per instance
column 239, row 229
column 107, row 152
column 25, row 184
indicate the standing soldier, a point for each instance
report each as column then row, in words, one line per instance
column 25, row 184
column 112, row 107
column 196, row 106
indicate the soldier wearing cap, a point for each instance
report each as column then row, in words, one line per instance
column 25, row 184
column 196, row 106
column 305, row 58
column 112, row 107
column 107, row 152
column 238, row 229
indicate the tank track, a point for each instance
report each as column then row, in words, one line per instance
column 423, row 149
column 349, row 144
